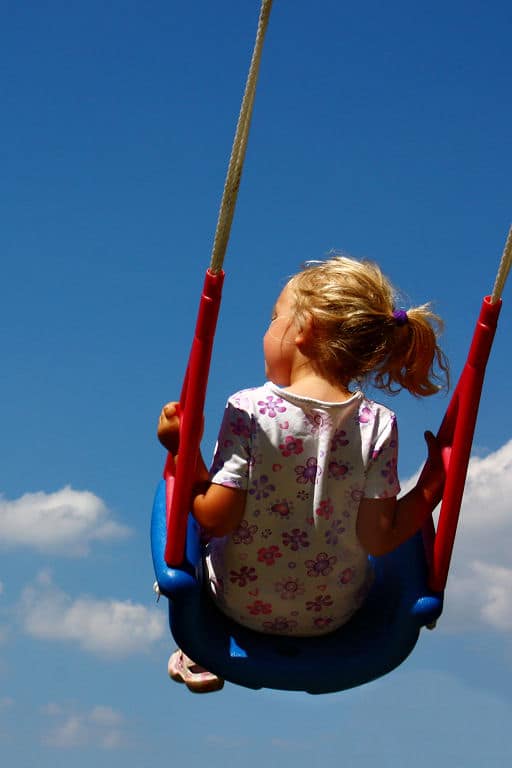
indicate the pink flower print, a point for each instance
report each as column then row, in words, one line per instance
column 322, row 565
column 317, row 421
column 390, row 471
column 295, row 539
column 291, row 446
column 322, row 622
column 271, row 406
column 366, row 415
column 354, row 496
column 259, row 607
column 308, row 473
column 288, row 589
column 269, row 555
column 244, row 534
column 239, row 427
column 282, row 510
column 339, row 439
column 334, row 532
column 338, row 470
column 346, row 576
column 243, row 576
column 325, row 509
column 280, row 625
column 322, row 601
column 262, row 488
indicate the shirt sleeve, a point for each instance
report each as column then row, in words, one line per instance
column 230, row 465
column 382, row 474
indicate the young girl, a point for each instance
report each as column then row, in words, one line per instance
column 304, row 482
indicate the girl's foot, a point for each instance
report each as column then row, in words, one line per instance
column 196, row 678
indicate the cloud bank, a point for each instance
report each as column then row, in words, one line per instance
column 65, row 522
column 100, row 727
column 479, row 589
column 105, row 627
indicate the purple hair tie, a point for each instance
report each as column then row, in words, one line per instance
column 400, row 316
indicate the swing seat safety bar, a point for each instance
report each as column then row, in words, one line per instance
column 456, row 436
column 179, row 476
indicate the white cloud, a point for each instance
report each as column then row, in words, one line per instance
column 498, row 608
column 101, row 727
column 105, row 716
column 64, row 522
column 479, row 588
column 105, row 627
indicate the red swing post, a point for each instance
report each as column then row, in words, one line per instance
column 458, row 427
column 179, row 476
column 456, row 436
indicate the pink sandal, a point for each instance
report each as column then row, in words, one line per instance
column 196, row 678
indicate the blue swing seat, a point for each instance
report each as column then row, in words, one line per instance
column 376, row 640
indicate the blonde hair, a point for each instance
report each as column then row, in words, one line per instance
column 355, row 335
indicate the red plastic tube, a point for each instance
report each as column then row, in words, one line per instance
column 456, row 438
column 180, row 477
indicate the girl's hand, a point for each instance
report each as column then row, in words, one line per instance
column 168, row 429
column 432, row 479
column 384, row 524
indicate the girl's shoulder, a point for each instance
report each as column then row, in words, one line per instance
column 268, row 397
column 370, row 412
column 266, row 400
column 246, row 399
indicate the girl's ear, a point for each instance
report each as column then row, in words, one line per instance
column 305, row 333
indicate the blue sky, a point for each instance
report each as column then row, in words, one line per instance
column 380, row 129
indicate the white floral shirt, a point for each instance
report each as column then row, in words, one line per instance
column 295, row 566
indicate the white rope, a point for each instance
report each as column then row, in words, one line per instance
column 503, row 269
column 234, row 172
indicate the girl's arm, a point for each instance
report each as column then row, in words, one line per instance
column 217, row 509
column 384, row 524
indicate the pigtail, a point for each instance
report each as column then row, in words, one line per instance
column 415, row 361
column 357, row 333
